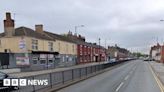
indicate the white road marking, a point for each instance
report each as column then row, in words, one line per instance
column 122, row 83
column 126, row 77
column 118, row 88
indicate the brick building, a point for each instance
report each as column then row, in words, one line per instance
column 88, row 52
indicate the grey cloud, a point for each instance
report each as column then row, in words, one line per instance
column 128, row 23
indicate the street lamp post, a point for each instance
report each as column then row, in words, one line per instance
column 77, row 27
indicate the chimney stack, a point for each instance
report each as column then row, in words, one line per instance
column 9, row 25
column 39, row 28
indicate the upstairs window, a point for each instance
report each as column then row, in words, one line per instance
column 50, row 46
column 34, row 44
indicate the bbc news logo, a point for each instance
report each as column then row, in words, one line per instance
column 24, row 82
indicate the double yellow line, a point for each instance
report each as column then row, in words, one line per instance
column 157, row 80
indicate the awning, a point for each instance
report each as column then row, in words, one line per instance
column 45, row 52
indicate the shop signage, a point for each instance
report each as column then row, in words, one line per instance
column 22, row 61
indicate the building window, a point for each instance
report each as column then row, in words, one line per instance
column 81, row 49
column 34, row 61
column 50, row 61
column 81, row 59
column 42, row 61
column 34, row 44
column 50, row 46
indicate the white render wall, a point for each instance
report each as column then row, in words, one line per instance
column 154, row 54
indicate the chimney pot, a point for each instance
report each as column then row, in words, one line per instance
column 39, row 28
column 8, row 16
column 9, row 25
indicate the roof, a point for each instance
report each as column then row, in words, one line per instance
column 78, row 41
column 24, row 31
column 59, row 37
column 70, row 39
column 156, row 47
column 116, row 48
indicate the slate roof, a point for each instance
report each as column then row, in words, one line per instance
column 59, row 37
column 78, row 41
column 24, row 31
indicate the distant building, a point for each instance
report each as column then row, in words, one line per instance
column 156, row 52
column 117, row 52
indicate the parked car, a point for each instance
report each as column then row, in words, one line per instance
column 112, row 60
column 148, row 59
column 4, row 88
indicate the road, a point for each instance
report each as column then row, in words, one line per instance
column 134, row 76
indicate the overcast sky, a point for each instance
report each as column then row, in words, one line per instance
column 132, row 24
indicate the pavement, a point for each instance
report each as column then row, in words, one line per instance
column 134, row 76
column 34, row 73
column 159, row 71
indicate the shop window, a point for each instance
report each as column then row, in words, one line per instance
column 35, row 61
column 42, row 61
column 50, row 61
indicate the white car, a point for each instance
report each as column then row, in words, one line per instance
column 112, row 60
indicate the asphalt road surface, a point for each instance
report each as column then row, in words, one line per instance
column 134, row 76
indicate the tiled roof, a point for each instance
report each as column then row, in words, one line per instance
column 78, row 41
column 113, row 48
column 24, row 31
column 59, row 37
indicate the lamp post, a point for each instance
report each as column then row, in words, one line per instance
column 78, row 27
